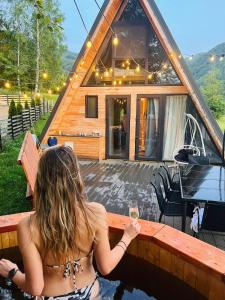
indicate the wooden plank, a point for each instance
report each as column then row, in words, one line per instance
column 202, row 282
column 165, row 260
column 5, row 240
column 177, row 267
column 190, row 274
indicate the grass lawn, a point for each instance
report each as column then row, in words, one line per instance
column 221, row 122
column 12, row 178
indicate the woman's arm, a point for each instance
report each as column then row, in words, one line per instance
column 32, row 281
column 106, row 258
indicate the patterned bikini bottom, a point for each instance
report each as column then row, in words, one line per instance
column 81, row 294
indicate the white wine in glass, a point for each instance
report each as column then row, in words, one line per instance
column 133, row 210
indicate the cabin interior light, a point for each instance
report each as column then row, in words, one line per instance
column 106, row 73
column 123, row 65
column 111, row 70
column 96, row 74
column 150, row 76
column 114, row 82
column 165, row 66
column 76, row 75
column 138, row 69
column 115, row 40
column 120, row 82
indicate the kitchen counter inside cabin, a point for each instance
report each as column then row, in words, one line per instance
column 86, row 146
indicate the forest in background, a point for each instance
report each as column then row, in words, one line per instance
column 31, row 45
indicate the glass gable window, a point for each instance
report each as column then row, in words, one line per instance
column 137, row 59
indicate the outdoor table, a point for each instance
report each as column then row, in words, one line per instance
column 201, row 184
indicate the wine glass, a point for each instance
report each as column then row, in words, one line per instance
column 133, row 209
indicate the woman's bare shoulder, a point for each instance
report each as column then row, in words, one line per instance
column 97, row 207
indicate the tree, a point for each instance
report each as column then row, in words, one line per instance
column 12, row 109
column 19, row 108
column 32, row 103
column 214, row 93
column 26, row 105
column 37, row 101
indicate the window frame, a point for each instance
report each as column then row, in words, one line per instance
column 96, row 106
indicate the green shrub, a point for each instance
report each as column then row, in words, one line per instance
column 37, row 101
column 32, row 103
column 19, row 108
column 26, row 105
column 12, row 109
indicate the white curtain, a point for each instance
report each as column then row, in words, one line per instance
column 152, row 128
column 174, row 124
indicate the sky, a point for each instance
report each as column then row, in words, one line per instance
column 196, row 25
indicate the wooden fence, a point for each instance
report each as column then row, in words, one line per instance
column 14, row 126
column 6, row 99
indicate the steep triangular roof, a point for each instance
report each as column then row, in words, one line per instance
column 111, row 9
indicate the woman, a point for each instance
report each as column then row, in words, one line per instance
column 58, row 241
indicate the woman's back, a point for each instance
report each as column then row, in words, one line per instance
column 59, row 277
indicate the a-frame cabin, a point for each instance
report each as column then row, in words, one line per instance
column 127, row 97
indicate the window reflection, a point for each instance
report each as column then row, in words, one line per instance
column 139, row 57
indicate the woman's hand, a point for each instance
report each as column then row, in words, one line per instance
column 132, row 230
column 6, row 266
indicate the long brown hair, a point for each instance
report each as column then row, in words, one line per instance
column 60, row 202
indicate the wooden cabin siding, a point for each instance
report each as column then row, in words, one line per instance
column 73, row 119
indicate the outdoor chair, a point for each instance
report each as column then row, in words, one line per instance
column 171, row 195
column 213, row 217
column 173, row 179
column 166, row 206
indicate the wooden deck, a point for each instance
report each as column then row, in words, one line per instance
column 114, row 183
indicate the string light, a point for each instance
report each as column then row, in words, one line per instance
column 138, row 69
column 222, row 57
column 45, row 75
column 70, row 78
column 25, row 95
column 64, row 84
column 57, row 89
column 115, row 40
column 89, row 44
column 38, row 95
column 120, row 82
column 7, row 85
column 49, row 92
column 191, row 57
column 212, row 58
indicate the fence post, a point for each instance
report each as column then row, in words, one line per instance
column 1, row 139
column 7, row 99
column 30, row 117
column 47, row 106
column 22, row 121
column 12, row 128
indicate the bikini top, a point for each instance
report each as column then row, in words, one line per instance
column 71, row 268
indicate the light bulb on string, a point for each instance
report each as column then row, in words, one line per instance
column 179, row 56
column 57, row 89
column 7, row 85
column 64, row 84
column 115, row 40
column 89, row 44
column 76, row 75
column 212, row 58
column 222, row 57
column 138, row 69
column 38, row 95
column 25, row 95
column 191, row 57
column 70, row 78
column 49, row 92
column 45, row 75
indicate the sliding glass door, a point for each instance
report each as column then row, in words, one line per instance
column 160, row 126
column 117, row 126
